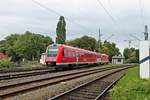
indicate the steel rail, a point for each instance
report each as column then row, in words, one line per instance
column 12, row 75
column 22, row 87
column 60, row 96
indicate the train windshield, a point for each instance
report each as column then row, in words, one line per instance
column 52, row 51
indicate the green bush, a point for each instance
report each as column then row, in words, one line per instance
column 6, row 63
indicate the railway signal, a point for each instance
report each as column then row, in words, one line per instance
column 144, row 56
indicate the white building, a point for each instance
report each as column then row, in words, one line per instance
column 117, row 60
column 43, row 58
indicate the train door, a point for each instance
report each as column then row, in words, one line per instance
column 64, row 55
column 77, row 57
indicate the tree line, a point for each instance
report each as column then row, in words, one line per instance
column 90, row 43
column 29, row 46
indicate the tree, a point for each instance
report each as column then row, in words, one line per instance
column 31, row 45
column 85, row 42
column 110, row 49
column 131, row 55
column 28, row 45
column 61, row 31
column 7, row 47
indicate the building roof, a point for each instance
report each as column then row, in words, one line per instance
column 117, row 57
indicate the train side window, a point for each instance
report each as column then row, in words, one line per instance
column 65, row 53
column 69, row 53
column 73, row 53
column 77, row 55
column 81, row 54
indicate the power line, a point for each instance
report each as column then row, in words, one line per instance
column 111, row 17
column 134, row 37
column 109, row 14
column 47, row 8
column 59, row 14
column 129, row 41
column 109, row 37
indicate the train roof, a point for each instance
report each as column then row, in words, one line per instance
column 78, row 48
column 64, row 45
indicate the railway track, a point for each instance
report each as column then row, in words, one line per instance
column 20, row 74
column 22, row 69
column 11, row 88
column 6, row 75
column 93, row 90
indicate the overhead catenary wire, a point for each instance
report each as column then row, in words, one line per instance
column 135, row 37
column 59, row 14
column 109, row 37
column 111, row 17
column 109, row 14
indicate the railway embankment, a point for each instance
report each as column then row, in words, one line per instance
column 131, row 86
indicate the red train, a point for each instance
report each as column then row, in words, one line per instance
column 60, row 54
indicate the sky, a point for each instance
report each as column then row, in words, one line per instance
column 83, row 17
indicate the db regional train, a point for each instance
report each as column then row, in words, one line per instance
column 61, row 55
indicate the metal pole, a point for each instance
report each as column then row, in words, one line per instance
column 146, row 32
column 99, row 38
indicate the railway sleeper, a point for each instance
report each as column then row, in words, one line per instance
column 87, row 93
column 81, row 97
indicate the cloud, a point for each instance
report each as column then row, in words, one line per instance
column 83, row 17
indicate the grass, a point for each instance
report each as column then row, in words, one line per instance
column 131, row 87
column 28, row 65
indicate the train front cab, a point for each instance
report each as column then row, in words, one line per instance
column 60, row 56
column 52, row 53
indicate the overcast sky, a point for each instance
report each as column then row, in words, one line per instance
column 83, row 17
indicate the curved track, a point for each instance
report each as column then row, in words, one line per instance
column 10, row 88
column 93, row 90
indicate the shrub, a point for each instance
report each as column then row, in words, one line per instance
column 6, row 63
